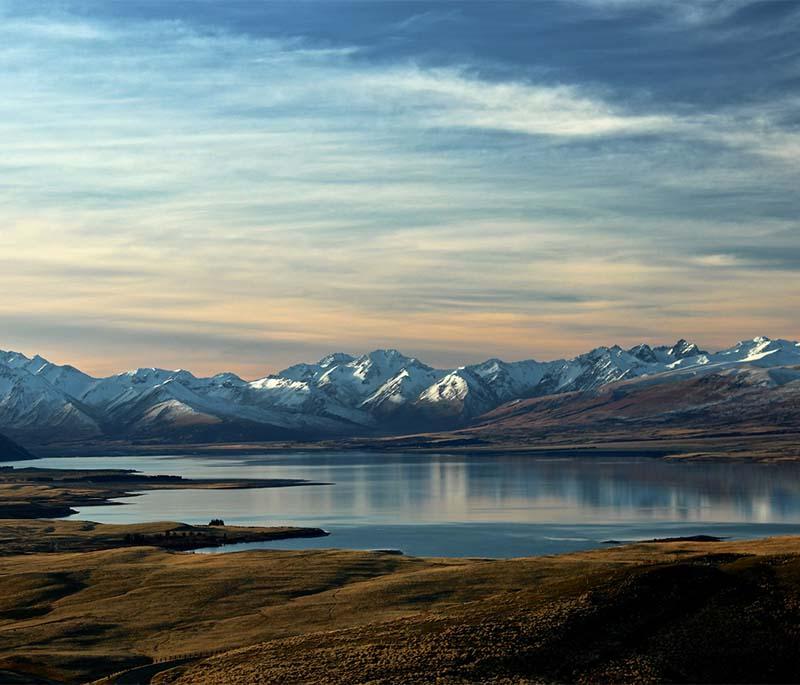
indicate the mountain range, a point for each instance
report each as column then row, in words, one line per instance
column 386, row 393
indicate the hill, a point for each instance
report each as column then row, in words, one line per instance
column 651, row 612
column 643, row 615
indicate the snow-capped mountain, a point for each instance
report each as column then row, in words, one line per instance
column 380, row 382
column 30, row 403
column 473, row 390
column 310, row 372
column 382, row 391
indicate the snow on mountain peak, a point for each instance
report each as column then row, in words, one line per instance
column 308, row 372
column 683, row 349
column 12, row 358
column 383, row 357
column 335, row 358
column 644, row 353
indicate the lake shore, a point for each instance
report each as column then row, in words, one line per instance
column 32, row 499
column 26, row 536
column 29, row 492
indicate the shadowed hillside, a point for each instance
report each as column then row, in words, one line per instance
column 726, row 615
column 738, row 399
column 11, row 451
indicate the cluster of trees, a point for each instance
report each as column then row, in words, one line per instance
column 139, row 539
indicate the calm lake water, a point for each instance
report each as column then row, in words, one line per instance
column 492, row 506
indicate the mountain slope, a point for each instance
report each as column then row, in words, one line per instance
column 739, row 399
column 30, row 404
column 11, row 451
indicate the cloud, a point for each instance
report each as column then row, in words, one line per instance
column 429, row 18
column 716, row 260
column 168, row 182
column 694, row 14
column 449, row 98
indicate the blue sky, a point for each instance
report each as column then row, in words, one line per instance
column 241, row 185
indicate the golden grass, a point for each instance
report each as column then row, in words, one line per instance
column 345, row 616
column 682, row 612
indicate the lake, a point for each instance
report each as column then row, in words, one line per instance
column 481, row 506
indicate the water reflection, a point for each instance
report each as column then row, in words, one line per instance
column 464, row 499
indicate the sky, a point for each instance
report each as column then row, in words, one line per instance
column 225, row 185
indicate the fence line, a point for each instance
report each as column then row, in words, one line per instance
column 112, row 677
column 191, row 655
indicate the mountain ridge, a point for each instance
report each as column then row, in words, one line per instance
column 380, row 392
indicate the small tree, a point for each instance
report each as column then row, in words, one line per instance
column 216, row 522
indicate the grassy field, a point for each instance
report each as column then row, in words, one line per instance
column 684, row 611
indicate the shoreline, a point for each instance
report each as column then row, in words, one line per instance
column 767, row 446
column 45, row 536
column 33, row 493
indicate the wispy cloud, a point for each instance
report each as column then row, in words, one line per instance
column 173, row 177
